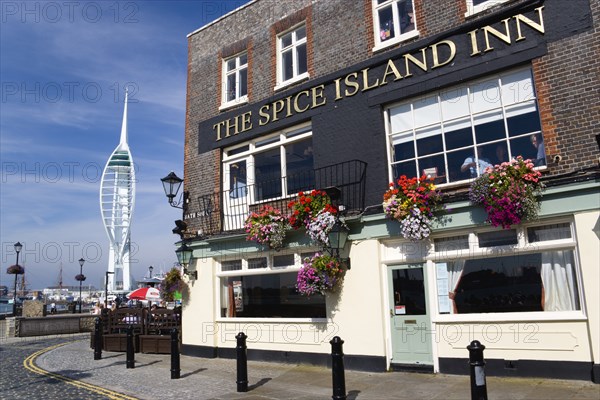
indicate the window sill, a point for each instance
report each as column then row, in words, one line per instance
column 273, row 320
column 392, row 42
column 289, row 82
column 233, row 103
column 473, row 11
column 561, row 316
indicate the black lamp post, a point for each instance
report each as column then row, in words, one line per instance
column 338, row 235
column 171, row 184
column 150, row 283
column 184, row 255
column 81, row 278
column 106, row 289
column 18, row 246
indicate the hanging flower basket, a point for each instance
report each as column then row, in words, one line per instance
column 307, row 206
column 172, row 286
column 319, row 226
column 15, row 270
column 319, row 274
column 80, row 277
column 268, row 227
column 508, row 192
column 413, row 202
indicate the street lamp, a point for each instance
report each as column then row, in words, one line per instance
column 150, row 269
column 106, row 290
column 171, row 184
column 18, row 246
column 80, row 278
column 184, row 255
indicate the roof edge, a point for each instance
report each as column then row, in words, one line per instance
column 221, row 18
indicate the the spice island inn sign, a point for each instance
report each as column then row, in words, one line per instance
column 478, row 42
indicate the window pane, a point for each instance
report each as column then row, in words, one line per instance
column 456, row 160
column 489, row 127
column 429, row 141
column 549, row 232
column 497, row 238
column 522, row 120
column 401, row 118
column 434, row 166
column 237, row 180
column 517, row 87
column 267, row 170
column 500, row 154
column 231, row 91
column 451, row 243
column 233, row 265
column 409, row 290
column 286, row 40
column 455, row 103
column 287, row 67
column 243, row 82
column 231, row 64
column 485, row 96
column 523, row 147
column 427, row 111
column 301, row 33
column 404, row 147
column 255, row 263
column 270, row 296
column 458, row 134
column 386, row 24
column 286, row 260
column 408, row 168
column 299, row 166
column 243, row 59
column 406, row 15
column 301, row 57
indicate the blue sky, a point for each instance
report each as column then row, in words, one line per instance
column 63, row 70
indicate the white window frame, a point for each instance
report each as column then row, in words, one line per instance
column 486, row 5
column 472, row 114
column 239, row 67
column 270, row 269
column 280, row 140
column 297, row 77
column 523, row 247
column 379, row 45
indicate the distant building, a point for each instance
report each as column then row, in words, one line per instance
column 291, row 96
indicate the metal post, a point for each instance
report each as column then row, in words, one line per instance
column 337, row 369
column 478, row 385
column 130, row 357
column 175, row 365
column 242, row 363
column 98, row 339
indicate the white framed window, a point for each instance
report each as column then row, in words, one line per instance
column 454, row 134
column 270, row 167
column 292, row 57
column 264, row 286
column 477, row 6
column 527, row 269
column 235, row 80
column 394, row 21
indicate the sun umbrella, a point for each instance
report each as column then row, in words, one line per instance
column 146, row 293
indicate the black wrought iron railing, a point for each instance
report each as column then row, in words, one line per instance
column 226, row 211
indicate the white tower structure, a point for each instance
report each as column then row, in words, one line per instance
column 117, row 199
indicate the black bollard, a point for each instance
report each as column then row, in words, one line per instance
column 242, row 363
column 337, row 369
column 478, row 386
column 98, row 339
column 175, row 365
column 130, row 358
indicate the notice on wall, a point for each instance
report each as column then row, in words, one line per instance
column 441, row 270
column 238, row 296
column 400, row 310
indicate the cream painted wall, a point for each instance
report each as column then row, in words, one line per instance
column 534, row 340
column 198, row 318
column 587, row 227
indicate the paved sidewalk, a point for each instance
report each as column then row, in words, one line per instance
column 215, row 379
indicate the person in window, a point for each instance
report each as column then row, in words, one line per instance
column 501, row 155
column 538, row 142
column 474, row 166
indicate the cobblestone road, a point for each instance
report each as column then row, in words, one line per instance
column 19, row 382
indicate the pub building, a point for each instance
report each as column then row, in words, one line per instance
column 344, row 97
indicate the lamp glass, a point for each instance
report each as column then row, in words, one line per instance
column 338, row 236
column 171, row 184
column 184, row 254
column 81, row 261
column 18, row 246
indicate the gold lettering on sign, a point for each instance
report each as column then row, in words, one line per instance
column 318, row 99
column 296, row 107
column 365, row 76
column 264, row 115
column 352, row 84
column 338, row 94
column 390, row 68
column 436, row 58
column 505, row 37
column 537, row 26
column 419, row 63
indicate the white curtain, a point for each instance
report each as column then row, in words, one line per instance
column 558, row 277
column 455, row 271
column 560, row 288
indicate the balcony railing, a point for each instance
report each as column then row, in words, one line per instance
column 226, row 211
